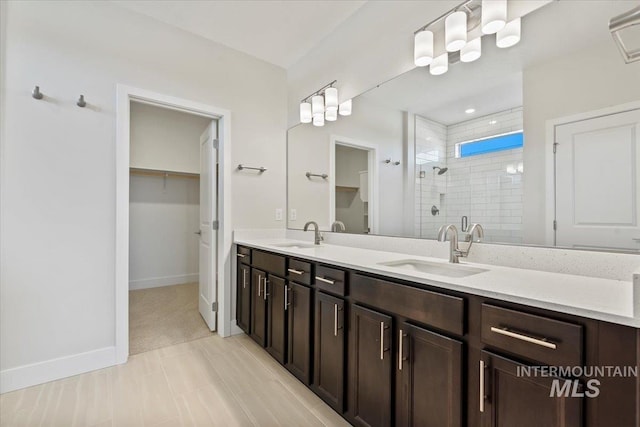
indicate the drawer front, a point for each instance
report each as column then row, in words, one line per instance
column 537, row 338
column 244, row 255
column 269, row 262
column 299, row 272
column 441, row 311
column 330, row 280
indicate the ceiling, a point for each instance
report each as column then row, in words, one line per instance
column 279, row 32
column 494, row 82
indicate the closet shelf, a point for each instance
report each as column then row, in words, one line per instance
column 161, row 173
column 345, row 188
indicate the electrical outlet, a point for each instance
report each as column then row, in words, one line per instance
column 293, row 215
column 278, row 214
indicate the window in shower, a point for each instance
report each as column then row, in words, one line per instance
column 506, row 141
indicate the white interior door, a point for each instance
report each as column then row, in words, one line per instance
column 208, row 225
column 597, row 191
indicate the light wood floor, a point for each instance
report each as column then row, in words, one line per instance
column 168, row 315
column 208, row 382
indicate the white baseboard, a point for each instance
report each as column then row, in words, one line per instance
column 157, row 282
column 55, row 369
column 235, row 329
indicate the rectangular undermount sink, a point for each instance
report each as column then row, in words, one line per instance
column 294, row 245
column 437, row 268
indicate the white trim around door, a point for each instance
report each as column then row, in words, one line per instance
column 126, row 94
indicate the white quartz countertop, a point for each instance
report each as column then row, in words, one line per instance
column 595, row 298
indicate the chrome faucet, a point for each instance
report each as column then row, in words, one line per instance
column 452, row 232
column 455, row 253
column 338, row 226
column 318, row 236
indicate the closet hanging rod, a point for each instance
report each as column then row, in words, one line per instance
column 319, row 175
column 261, row 169
column 162, row 173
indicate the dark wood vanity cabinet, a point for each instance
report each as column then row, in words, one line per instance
column 430, row 379
column 370, row 367
column 386, row 352
column 299, row 331
column 277, row 305
column 329, row 355
column 243, row 306
column 258, row 306
column 510, row 399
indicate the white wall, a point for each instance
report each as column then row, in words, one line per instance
column 58, row 163
column 165, row 139
column 584, row 81
column 163, row 216
column 308, row 150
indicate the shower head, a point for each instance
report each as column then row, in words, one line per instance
column 441, row 171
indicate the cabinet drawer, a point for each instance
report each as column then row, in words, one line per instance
column 441, row 311
column 244, row 255
column 330, row 280
column 269, row 262
column 299, row 272
column 537, row 338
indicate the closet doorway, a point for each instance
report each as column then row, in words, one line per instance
column 172, row 226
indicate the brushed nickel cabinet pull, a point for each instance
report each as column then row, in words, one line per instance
column 244, row 279
column 298, row 272
column 264, row 292
column 259, row 283
column 381, row 340
column 538, row 341
column 482, row 386
column 400, row 350
column 241, row 255
column 286, row 297
column 335, row 320
column 322, row 279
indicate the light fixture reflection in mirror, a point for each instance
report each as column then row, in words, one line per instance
column 472, row 50
column 440, row 65
column 494, row 15
column 423, row 48
column 455, row 31
column 509, row 35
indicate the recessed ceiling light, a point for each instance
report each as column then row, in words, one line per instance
column 470, row 110
column 493, row 122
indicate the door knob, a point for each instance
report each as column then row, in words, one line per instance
column 199, row 232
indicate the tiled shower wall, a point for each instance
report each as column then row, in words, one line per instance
column 479, row 187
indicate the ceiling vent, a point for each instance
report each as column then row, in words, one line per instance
column 625, row 30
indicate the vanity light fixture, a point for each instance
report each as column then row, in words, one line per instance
column 423, row 48
column 452, row 30
column 305, row 112
column 345, row 108
column 494, row 15
column 509, row 35
column 455, row 31
column 472, row 50
column 440, row 64
column 322, row 105
column 331, row 99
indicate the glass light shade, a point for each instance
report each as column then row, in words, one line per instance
column 331, row 99
column 494, row 15
column 440, row 64
column 318, row 120
column 423, row 48
column 317, row 105
column 509, row 35
column 331, row 115
column 455, row 31
column 472, row 50
column 345, row 108
column 305, row 112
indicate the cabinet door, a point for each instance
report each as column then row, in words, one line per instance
column 430, row 369
column 243, row 297
column 276, row 318
column 258, row 306
column 299, row 332
column 370, row 367
column 512, row 399
column 329, row 360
